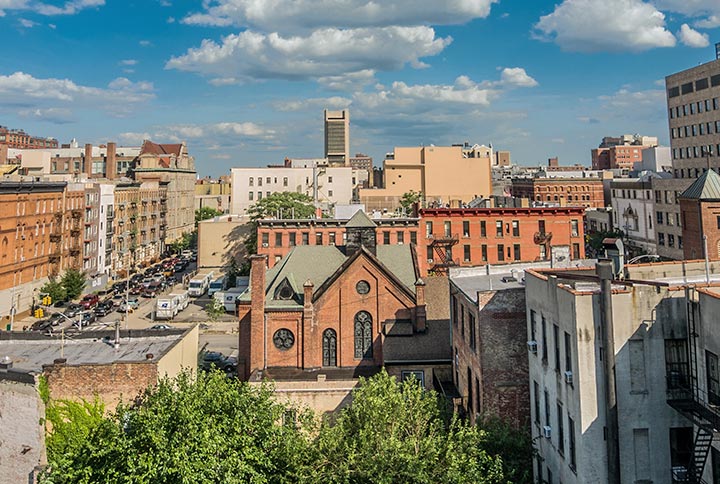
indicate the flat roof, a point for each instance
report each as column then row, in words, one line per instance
column 31, row 352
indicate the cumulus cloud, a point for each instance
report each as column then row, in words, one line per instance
column 68, row 8
column 51, row 115
column 28, row 24
column 307, row 15
column 689, row 8
column 516, row 76
column 709, row 23
column 692, row 38
column 610, row 25
column 55, row 98
column 322, row 54
column 625, row 98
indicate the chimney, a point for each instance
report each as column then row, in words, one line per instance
column 420, row 310
column 308, row 313
column 88, row 159
column 110, row 161
column 258, row 266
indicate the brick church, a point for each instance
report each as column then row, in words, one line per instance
column 340, row 312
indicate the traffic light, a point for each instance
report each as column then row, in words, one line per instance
column 39, row 313
column 47, row 300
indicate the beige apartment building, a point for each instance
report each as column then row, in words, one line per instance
column 337, row 137
column 443, row 174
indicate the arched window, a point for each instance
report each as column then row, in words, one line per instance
column 363, row 335
column 329, row 345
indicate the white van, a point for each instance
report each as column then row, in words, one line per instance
column 229, row 297
column 218, row 284
column 182, row 299
column 199, row 283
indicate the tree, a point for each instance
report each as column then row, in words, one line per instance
column 205, row 213
column 54, row 289
column 399, row 432
column 214, row 309
column 203, row 428
column 515, row 446
column 408, row 199
column 74, row 283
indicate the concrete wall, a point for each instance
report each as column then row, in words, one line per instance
column 22, row 435
column 319, row 396
column 183, row 355
column 220, row 240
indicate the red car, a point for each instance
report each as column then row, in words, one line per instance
column 89, row 301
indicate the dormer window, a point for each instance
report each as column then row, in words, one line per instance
column 284, row 291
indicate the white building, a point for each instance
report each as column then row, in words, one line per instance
column 656, row 158
column 105, row 228
column 642, row 430
column 632, row 201
column 334, row 184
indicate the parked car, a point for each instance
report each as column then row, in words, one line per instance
column 119, row 286
column 161, row 327
column 89, row 301
column 55, row 319
column 104, row 308
column 131, row 305
column 136, row 290
column 73, row 310
column 41, row 325
column 87, row 318
column 216, row 360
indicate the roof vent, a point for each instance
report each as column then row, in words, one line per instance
column 6, row 363
column 149, row 356
column 59, row 361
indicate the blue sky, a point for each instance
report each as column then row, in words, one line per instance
column 244, row 82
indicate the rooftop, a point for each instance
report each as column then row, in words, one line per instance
column 706, row 187
column 30, row 351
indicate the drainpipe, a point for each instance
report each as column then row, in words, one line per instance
column 604, row 270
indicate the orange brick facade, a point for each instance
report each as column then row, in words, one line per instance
column 480, row 236
column 579, row 192
column 277, row 237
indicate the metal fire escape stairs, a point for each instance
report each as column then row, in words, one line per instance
column 442, row 248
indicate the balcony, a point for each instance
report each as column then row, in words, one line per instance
column 55, row 238
column 74, row 251
column 76, row 214
column 75, row 232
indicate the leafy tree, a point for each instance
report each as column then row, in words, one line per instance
column 74, row 282
column 54, row 289
column 408, row 199
column 515, row 446
column 71, row 424
column 186, row 241
column 399, row 432
column 203, row 428
column 214, row 309
column 206, row 213
column 233, row 272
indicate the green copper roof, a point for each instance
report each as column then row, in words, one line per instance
column 360, row 219
column 706, row 187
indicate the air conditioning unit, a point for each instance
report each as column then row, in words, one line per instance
column 22, row 259
column 266, row 244
column 547, row 431
column 680, row 473
column 569, row 377
column 431, row 261
column 532, row 346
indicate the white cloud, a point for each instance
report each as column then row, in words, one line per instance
column 692, row 38
column 145, row 43
column 464, row 91
column 33, row 94
column 128, row 62
column 132, row 138
column 323, row 54
column 709, row 23
column 68, row 8
column 610, row 25
column 625, row 98
column 516, row 76
column 28, row 24
column 52, row 115
column 307, row 15
column 313, row 104
column 351, row 81
column 210, row 131
column 690, row 8
column 560, row 141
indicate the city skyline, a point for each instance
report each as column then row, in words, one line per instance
column 246, row 84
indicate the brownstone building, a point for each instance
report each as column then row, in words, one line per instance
column 480, row 236
column 579, row 192
column 340, row 314
column 17, row 138
column 700, row 212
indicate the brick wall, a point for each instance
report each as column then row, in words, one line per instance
column 700, row 218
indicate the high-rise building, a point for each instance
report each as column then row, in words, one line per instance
column 337, row 136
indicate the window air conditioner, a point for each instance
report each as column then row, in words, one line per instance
column 532, row 346
column 680, row 473
column 547, row 431
column 569, row 377
column 266, row 244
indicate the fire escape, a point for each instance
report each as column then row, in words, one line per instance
column 75, row 231
column 442, row 248
column 56, row 248
column 697, row 405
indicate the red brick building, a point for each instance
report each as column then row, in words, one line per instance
column 344, row 312
column 481, row 236
column 277, row 237
column 17, row 138
column 700, row 212
column 579, row 192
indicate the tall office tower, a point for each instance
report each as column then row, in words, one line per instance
column 337, row 137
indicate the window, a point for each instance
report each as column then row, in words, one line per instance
column 429, row 253
column 536, row 401
column 259, row 197
column 306, row 238
column 329, row 345
column 259, row 181
column 483, row 253
column 453, row 311
column 560, row 429
column 498, row 228
column 250, row 181
column 418, row 375
column 329, row 179
column 471, row 324
column 401, row 237
column 661, row 238
column 265, row 239
column 659, row 218
column 533, row 325
column 428, row 229
column 516, row 251
column 547, row 408
column 386, row 237
column 541, row 226
column 293, row 236
column 285, row 181
column 267, row 180
column 516, row 228
column 574, row 228
column 483, row 229
column 466, row 253
column 543, row 329
column 448, row 229
column 568, row 353
column 363, row 335
column 330, row 193
column 543, row 252
column 576, row 251
column 278, row 239
column 556, row 341
column 250, row 195
column 671, row 240
column 713, row 377
column 331, row 238
column 413, row 237
column 318, row 238
column 500, row 252
column 466, row 228
column 571, row 435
